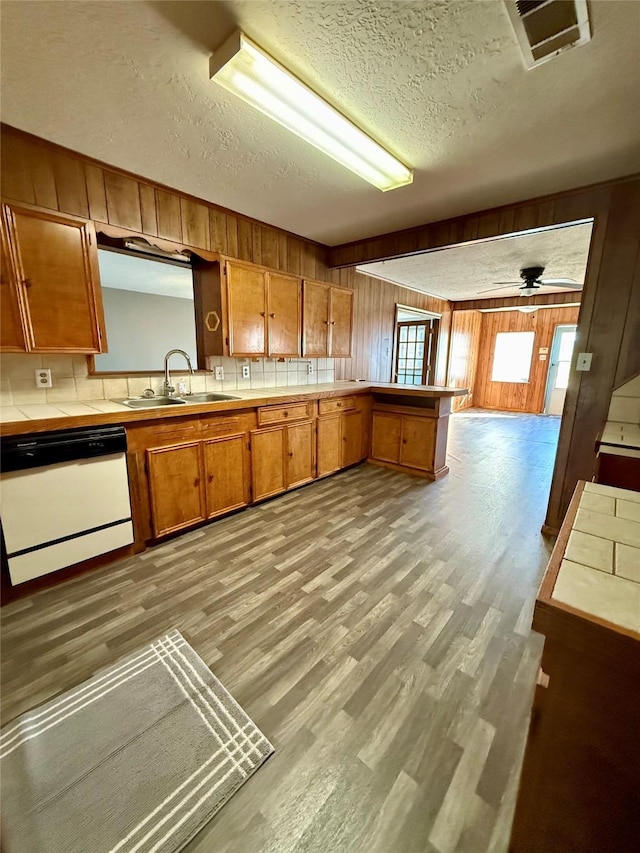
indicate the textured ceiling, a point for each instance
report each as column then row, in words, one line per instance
column 442, row 84
column 463, row 271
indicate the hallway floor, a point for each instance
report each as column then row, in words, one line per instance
column 374, row 625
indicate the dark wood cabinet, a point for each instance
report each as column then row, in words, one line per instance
column 53, row 275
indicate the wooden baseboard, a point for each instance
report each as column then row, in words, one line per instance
column 547, row 530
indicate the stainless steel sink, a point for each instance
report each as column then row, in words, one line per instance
column 207, row 398
column 156, row 402
column 151, row 402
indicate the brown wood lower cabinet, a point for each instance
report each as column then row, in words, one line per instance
column 227, row 474
column 409, row 441
column 340, row 441
column 282, row 457
column 176, row 487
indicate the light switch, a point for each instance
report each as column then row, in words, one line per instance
column 584, row 361
column 219, row 372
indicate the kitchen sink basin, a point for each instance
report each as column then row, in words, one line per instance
column 157, row 402
column 150, row 402
column 207, row 398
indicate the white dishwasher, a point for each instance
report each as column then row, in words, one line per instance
column 64, row 497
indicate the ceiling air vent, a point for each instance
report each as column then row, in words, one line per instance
column 546, row 28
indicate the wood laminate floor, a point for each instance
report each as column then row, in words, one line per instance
column 374, row 625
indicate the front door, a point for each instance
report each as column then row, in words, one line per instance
column 564, row 339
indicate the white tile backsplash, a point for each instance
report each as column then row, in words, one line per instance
column 72, row 382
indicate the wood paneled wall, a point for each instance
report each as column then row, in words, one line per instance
column 37, row 172
column 374, row 319
column 518, row 396
column 609, row 320
column 463, row 356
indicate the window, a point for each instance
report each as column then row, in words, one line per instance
column 512, row 357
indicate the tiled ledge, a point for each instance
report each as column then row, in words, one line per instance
column 600, row 570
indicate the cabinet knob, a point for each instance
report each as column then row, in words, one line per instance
column 339, row 405
column 326, row 322
column 196, row 482
column 285, row 414
column 272, row 315
column 291, row 455
column 333, row 322
column 404, row 440
column 263, row 314
column 27, row 282
column 210, row 478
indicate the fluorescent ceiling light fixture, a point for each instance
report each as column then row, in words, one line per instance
column 244, row 69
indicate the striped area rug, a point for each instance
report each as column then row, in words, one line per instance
column 135, row 760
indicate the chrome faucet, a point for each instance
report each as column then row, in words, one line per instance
column 167, row 388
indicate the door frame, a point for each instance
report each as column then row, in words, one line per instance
column 421, row 317
column 552, row 370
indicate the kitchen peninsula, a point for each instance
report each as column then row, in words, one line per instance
column 193, row 462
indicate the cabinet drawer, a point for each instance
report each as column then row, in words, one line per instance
column 341, row 404
column 283, row 414
column 143, row 437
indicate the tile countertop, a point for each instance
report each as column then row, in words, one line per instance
column 17, row 419
column 600, row 569
column 620, row 439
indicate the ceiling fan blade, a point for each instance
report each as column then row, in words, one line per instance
column 560, row 282
column 507, row 287
column 508, row 282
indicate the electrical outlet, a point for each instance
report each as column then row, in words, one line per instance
column 219, row 372
column 43, row 378
column 245, row 371
column 310, row 368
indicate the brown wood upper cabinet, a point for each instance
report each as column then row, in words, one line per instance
column 51, row 282
column 328, row 320
column 264, row 311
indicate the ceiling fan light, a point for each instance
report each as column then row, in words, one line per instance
column 243, row 68
column 528, row 309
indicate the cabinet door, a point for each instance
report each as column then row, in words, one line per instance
column 176, row 487
column 267, row 462
column 227, row 481
column 341, row 313
column 300, row 454
column 285, row 315
column 416, row 448
column 351, row 438
column 385, row 440
column 315, row 317
column 247, row 307
column 56, row 268
column 329, row 444
column 11, row 333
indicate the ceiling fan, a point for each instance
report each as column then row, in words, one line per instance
column 531, row 276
